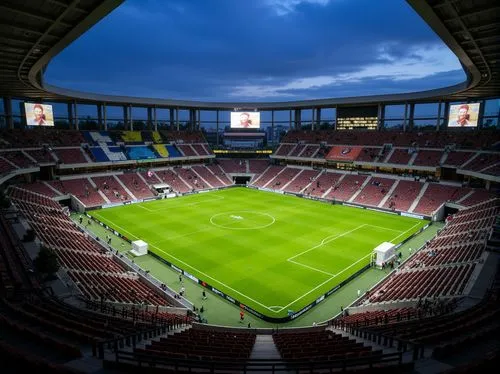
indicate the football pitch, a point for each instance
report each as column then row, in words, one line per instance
column 272, row 252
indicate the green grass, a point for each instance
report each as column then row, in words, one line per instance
column 269, row 251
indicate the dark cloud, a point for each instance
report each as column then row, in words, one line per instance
column 202, row 50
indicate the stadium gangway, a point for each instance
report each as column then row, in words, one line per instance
column 131, row 362
column 388, row 341
column 132, row 340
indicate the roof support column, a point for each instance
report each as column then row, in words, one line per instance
column 149, row 125
column 272, row 126
column 380, row 116
column 405, row 119
column 291, row 124
column 318, row 118
column 155, row 121
column 130, row 119
column 171, row 118
column 9, row 120
column 77, row 127
column 71, row 118
column 445, row 116
column 438, row 120
column 177, row 118
column 411, row 122
column 105, row 116
column 480, row 116
column 298, row 119
column 99, row 117
column 217, row 126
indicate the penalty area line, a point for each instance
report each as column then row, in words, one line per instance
column 215, row 280
column 325, row 282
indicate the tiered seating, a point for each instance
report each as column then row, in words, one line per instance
column 428, row 158
column 183, row 136
column 321, row 185
column 297, row 150
column 204, row 345
column 424, row 282
column 187, row 150
column 257, row 166
column 161, row 149
column 217, row 170
column 207, row 175
column 173, row 151
column 368, row 154
column 41, row 155
column 458, row 158
column 41, row 188
column 492, row 170
column 377, row 317
column 81, row 188
column 319, row 346
column 17, row 158
column 37, row 137
column 347, row 187
column 132, row 137
column 437, row 194
column 191, row 179
column 310, row 151
column 172, row 179
column 233, row 165
column 343, row 153
column 374, row 191
column 94, row 271
column 403, row 195
column 115, row 288
column 201, row 149
column 284, row 149
column 112, row 189
column 483, row 161
column 400, row 156
column 481, row 139
column 449, row 331
column 140, row 153
column 302, row 180
column 155, row 136
column 269, row 174
column 477, row 197
column 283, row 178
column 5, row 166
column 150, row 177
column 136, row 185
column 70, row 155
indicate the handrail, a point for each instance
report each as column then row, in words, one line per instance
column 136, row 359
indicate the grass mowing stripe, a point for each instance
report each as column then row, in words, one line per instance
column 252, row 265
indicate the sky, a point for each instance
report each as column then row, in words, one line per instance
column 257, row 50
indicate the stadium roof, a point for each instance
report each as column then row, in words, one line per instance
column 32, row 32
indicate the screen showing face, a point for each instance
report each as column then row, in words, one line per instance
column 39, row 114
column 245, row 120
column 464, row 115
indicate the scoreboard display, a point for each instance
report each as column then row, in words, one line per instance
column 364, row 117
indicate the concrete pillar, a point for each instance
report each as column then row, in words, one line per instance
column 9, row 119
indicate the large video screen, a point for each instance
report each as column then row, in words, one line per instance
column 463, row 115
column 38, row 114
column 245, row 120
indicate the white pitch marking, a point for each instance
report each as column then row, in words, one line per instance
column 404, row 232
column 310, row 267
column 325, row 241
column 321, row 284
column 219, row 282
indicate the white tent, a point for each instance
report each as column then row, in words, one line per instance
column 139, row 248
column 384, row 252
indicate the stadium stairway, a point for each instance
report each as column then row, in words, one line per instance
column 359, row 189
column 124, row 187
column 417, row 200
column 264, row 348
column 388, row 194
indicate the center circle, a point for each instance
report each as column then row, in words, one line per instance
column 242, row 220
